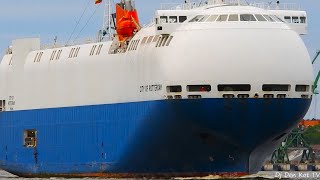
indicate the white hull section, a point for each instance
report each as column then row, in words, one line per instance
column 254, row 53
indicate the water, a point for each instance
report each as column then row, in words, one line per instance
column 260, row 175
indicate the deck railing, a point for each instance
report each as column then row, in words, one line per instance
column 200, row 3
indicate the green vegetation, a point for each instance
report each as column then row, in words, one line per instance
column 312, row 135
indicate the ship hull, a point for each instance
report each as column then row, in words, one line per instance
column 152, row 138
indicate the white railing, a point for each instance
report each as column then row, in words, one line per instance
column 274, row 6
column 200, row 3
column 184, row 6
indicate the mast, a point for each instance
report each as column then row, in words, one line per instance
column 108, row 28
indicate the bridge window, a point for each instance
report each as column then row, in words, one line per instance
column 182, row 19
column 222, row 18
column 302, row 88
column 247, row 17
column 233, row 17
column 275, row 87
column 268, row 18
column 234, row 87
column 173, row 19
column 199, row 88
column 196, row 19
column 212, row 18
column 260, row 17
column 303, row 19
column 163, row 19
column 30, row 138
column 276, row 18
column 287, row 19
column 295, row 19
column 204, row 18
column 174, row 89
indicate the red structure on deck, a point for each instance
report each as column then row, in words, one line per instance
column 309, row 123
column 127, row 22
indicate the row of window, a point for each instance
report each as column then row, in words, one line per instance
column 134, row 45
column 56, row 54
column 238, row 87
column 74, row 52
column 171, row 19
column 38, row 56
column 164, row 40
column 240, row 96
column 236, row 17
column 147, row 40
column 161, row 40
column 295, row 19
column 95, row 50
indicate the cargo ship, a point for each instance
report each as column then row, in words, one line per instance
column 206, row 88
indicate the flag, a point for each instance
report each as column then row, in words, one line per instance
column 98, row 1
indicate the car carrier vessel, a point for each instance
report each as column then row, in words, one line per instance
column 207, row 88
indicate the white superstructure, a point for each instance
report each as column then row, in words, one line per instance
column 211, row 45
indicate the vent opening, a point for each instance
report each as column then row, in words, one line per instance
column 194, row 97
column 199, row 88
column 30, row 138
column 2, row 105
column 276, row 87
column 243, row 96
column 174, row 89
column 234, row 87
column 302, row 88
column 228, row 96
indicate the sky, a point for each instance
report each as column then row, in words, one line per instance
column 49, row 19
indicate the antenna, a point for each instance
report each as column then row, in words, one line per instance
column 55, row 41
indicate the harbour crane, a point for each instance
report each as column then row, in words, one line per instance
column 315, row 84
column 296, row 140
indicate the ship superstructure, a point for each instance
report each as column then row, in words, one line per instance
column 197, row 92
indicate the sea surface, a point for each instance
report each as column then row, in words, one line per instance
column 259, row 176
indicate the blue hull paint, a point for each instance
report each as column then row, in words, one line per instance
column 176, row 136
